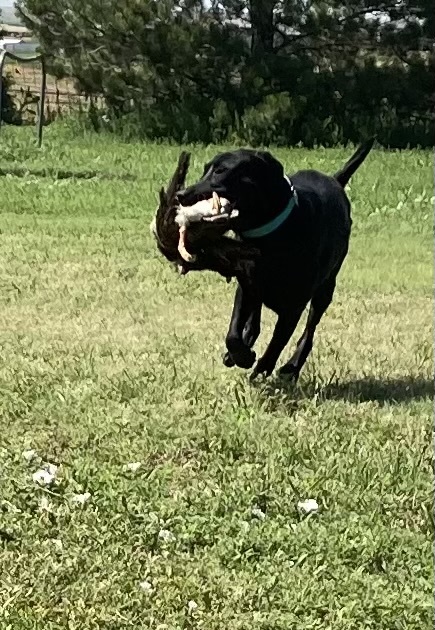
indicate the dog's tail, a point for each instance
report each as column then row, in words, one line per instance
column 344, row 174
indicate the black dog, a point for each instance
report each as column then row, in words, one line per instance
column 302, row 227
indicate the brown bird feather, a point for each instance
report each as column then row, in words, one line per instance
column 213, row 250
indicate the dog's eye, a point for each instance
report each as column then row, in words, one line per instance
column 219, row 170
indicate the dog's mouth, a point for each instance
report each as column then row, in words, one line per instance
column 214, row 211
column 224, row 212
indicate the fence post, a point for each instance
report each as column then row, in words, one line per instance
column 2, row 63
column 42, row 102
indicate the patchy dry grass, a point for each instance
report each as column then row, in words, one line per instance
column 108, row 358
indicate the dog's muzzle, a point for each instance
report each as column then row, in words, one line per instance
column 215, row 210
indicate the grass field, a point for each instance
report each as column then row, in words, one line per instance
column 109, row 358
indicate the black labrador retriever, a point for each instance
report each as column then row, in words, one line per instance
column 302, row 226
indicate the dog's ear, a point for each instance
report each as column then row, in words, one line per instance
column 275, row 167
column 207, row 168
column 272, row 188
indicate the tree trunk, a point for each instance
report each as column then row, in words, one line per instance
column 261, row 12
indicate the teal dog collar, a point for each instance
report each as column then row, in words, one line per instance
column 275, row 223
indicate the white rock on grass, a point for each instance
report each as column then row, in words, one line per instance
column 146, row 586
column 257, row 513
column 132, row 466
column 81, row 499
column 308, row 506
column 45, row 476
column 166, row 535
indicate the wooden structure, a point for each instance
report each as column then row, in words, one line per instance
column 4, row 54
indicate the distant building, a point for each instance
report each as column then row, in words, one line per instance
column 17, row 39
column 8, row 43
column 13, row 30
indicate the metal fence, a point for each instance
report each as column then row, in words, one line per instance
column 38, row 97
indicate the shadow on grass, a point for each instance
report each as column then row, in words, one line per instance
column 388, row 390
column 55, row 173
column 381, row 390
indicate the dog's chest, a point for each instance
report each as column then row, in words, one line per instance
column 288, row 278
column 282, row 289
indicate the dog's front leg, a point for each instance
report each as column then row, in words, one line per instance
column 250, row 335
column 284, row 328
column 246, row 309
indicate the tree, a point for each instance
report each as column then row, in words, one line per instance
column 267, row 70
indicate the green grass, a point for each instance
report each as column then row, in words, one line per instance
column 107, row 357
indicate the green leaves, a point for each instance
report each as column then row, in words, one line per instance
column 162, row 66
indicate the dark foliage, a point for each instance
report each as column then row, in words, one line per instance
column 9, row 113
column 256, row 71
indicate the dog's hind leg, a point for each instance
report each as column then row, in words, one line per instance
column 284, row 329
column 319, row 303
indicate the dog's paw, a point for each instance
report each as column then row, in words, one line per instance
column 290, row 372
column 239, row 354
column 244, row 359
column 228, row 360
column 263, row 368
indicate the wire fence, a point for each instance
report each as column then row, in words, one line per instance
column 61, row 96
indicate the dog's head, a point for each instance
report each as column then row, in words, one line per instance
column 253, row 182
